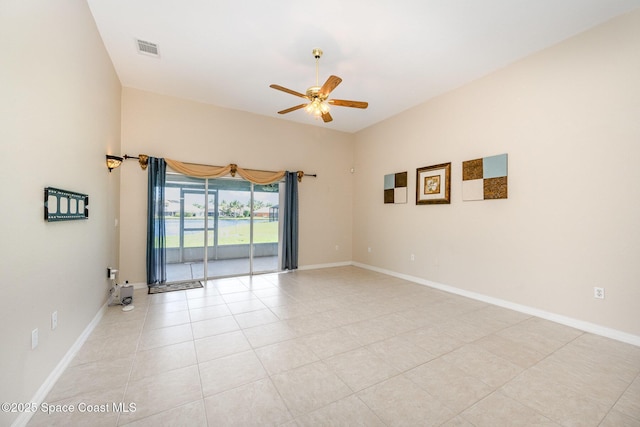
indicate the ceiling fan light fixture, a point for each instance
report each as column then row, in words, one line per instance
column 317, row 108
column 309, row 108
column 317, row 96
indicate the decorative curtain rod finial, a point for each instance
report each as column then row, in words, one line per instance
column 302, row 174
column 143, row 159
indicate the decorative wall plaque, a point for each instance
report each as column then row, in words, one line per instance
column 484, row 179
column 395, row 188
column 433, row 184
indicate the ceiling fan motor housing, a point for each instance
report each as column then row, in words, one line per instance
column 313, row 92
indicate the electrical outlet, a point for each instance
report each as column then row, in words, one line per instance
column 34, row 338
column 413, row 257
column 54, row 320
column 598, row 293
column 369, row 249
column 337, row 248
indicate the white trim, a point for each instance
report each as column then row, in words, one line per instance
column 139, row 285
column 24, row 417
column 329, row 265
column 564, row 320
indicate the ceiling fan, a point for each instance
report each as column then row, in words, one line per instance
column 317, row 95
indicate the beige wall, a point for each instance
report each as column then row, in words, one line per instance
column 568, row 117
column 59, row 115
column 163, row 126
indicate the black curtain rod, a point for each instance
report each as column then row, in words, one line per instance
column 126, row 156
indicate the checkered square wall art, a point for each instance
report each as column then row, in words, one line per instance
column 485, row 178
column 395, row 188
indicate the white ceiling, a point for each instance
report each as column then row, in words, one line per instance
column 393, row 54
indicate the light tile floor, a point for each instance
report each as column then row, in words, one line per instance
column 340, row 347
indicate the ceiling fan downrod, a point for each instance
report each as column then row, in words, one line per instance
column 317, row 53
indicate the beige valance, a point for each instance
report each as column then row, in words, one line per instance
column 207, row 171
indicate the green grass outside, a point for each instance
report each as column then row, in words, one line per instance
column 263, row 232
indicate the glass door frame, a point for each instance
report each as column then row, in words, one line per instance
column 191, row 189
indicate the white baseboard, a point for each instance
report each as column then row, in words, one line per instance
column 329, row 265
column 139, row 285
column 564, row 320
column 24, row 417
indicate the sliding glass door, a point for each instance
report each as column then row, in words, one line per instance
column 266, row 228
column 239, row 222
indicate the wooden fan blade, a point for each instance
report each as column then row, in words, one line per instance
column 331, row 83
column 292, row 92
column 327, row 117
column 345, row 103
column 288, row 110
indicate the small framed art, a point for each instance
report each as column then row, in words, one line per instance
column 433, row 184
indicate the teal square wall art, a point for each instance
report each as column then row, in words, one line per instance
column 485, row 178
column 395, row 188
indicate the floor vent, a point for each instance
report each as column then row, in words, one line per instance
column 147, row 48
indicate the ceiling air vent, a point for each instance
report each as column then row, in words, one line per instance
column 147, row 48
